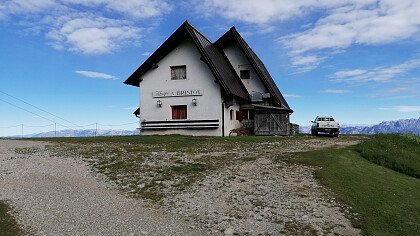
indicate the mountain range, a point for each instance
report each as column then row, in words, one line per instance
column 398, row 126
column 385, row 127
column 79, row 133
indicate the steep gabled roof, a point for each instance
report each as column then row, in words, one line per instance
column 215, row 60
column 256, row 63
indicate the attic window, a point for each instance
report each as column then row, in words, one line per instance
column 245, row 74
column 178, row 72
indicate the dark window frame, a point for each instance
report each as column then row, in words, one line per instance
column 174, row 74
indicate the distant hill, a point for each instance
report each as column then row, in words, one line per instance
column 80, row 133
column 385, row 127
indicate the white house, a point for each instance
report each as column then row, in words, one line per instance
column 192, row 86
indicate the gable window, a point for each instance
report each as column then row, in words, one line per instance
column 245, row 74
column 231, row 114
column 179, row 112
column 178, row 72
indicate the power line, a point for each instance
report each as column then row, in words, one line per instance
column 119, row 124
column 33, row 113
column 7, row 127
column 39, row 108
column 38, row 126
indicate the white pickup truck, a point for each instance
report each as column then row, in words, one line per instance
column 325, row 124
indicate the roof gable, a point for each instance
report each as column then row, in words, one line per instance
column 218, row 64
column 256, row 63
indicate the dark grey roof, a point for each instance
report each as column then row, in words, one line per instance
column 215, row 60
column 257, row 64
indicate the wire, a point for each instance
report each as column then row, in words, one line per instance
column 7, row 127
column 33, row 113
column 39, row 108
column 119, row 124
column 38, row 126
column 79, row 126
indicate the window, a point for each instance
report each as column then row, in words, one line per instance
column 178, row 72
column 245, row 74
column 244, row 114
column 179, row 112
column 231, row 114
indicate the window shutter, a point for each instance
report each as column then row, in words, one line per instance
column 179, row 112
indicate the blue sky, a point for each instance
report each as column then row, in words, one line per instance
column 358, row 60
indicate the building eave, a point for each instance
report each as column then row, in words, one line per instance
column 256, row 63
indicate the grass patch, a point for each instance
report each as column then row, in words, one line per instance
column 388, row 202
column 188, row 168
column 8, row 225
column 27, row 150
column 397, row 152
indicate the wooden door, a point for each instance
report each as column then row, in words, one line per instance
column 271, row 123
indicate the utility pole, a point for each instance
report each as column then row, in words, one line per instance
column 55, row 130
column 96, row 128
column 22, row 130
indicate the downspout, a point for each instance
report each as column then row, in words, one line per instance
column 223, row 118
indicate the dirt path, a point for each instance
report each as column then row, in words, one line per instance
column 60, row 196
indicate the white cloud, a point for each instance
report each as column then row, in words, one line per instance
column 336, row 91
column 341, row 24
column 134, row 8
column 262, row 11
column 292, row 96
column 349, row 73
column 402, row 109
column 68, row 26
column 90, row 35
column 93, row 74
column 25, row 6
column 397, row 90
column 146, row 54
column 378, row 74
column 140, row 8
column 356, row 22
column 306, row 63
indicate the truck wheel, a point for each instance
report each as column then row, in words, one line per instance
column 336, row 134
column 314, row 132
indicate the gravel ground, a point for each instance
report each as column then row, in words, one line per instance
column 55, row 192
column 263, row 198
column 61, row 196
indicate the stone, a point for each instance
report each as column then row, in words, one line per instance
column 229, row 231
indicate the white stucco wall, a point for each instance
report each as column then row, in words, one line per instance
column 231, row 124
column 199, row 76
column 240, row 62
